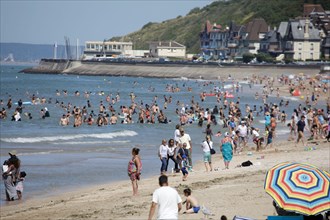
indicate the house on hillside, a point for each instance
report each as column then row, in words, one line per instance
column 235, row 43
column 214, row 41
column 271, row 43
column 321, row 20
column 167, row 49
column 255, row 31
column 299, row 40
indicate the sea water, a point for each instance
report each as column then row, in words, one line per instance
column 57, row 159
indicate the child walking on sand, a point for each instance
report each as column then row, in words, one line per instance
column 183, row 160
column 192, row 205
column 19, row 185
column 185, row 167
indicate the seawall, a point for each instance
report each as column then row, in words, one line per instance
column 55, row 66
column 159, row 70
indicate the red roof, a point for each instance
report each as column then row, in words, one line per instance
column 208, row 27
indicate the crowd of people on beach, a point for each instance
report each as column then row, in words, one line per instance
column 109, row 111
column 232, row 122
column 240, row 128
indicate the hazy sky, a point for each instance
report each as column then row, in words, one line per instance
column 44, row 21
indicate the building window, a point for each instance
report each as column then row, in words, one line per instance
column 311, row 56
column 299, row 46
column 114, row 47
column 93, row 46
column 118, row 47
column 299, row 56
column 312, row 46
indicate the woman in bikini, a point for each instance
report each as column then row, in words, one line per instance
column 134, row 169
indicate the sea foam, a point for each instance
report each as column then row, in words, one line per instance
column 111, row 135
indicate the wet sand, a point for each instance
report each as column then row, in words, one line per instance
column 237, row 191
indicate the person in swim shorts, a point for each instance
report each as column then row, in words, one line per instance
column 192, row 205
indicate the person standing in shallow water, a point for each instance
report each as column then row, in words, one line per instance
column 134, row 169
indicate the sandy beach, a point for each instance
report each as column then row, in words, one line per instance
column 237, row 191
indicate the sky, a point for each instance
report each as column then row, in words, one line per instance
column 48, row 21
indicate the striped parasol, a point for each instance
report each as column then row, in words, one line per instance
column 299, row 188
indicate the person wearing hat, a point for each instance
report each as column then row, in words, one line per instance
column 11, row 170
column 226, row 149
column 300, row 128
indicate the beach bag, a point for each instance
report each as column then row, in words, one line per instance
column 211, row 149
column 247, row 163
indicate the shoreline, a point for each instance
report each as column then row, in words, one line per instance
column 237, row 191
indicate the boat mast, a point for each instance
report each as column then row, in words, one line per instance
column 77, row 49
column 55, row 50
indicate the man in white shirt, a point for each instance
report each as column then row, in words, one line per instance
column 243, row 131
column 185, row 138
column 167, row 199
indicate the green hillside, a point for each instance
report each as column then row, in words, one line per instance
column 185, row 29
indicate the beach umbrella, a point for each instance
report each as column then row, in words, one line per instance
column 299, row 188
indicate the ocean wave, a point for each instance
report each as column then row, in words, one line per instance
column 112, row 135
column 90, row 142
column 41, row 153
column 290, row 98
